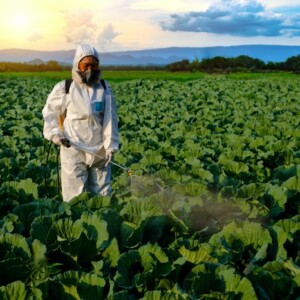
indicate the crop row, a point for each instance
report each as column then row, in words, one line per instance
column 210, row 212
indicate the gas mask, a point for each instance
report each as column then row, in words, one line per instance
column 90, row 76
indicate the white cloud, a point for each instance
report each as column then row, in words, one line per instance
column 237, row 18
column 79, row 26
column 106, row 37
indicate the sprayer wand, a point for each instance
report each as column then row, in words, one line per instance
column 92, row 153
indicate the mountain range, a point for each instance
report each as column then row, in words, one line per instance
column 160, row 56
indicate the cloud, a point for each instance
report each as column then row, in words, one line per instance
column 35, row 37
column 246, row 18
column 106, row 37
column 79, row 26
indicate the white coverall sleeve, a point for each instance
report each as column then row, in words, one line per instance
column 110, row 122
column 53, row 108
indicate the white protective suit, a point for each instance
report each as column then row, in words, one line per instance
column 91, row 123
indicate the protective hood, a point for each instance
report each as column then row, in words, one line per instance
column 82, row 51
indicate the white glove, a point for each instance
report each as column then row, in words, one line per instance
column 59, row 140
column 108, row 157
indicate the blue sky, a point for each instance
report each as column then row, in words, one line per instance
column 147, row 24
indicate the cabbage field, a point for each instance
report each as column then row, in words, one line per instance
column 211, row 210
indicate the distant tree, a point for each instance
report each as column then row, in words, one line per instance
column 247, row 62
column 195, row 65
column 274, row 66
column 293, row 64
column 217, row 63
column 183, row 65
column 53, row 65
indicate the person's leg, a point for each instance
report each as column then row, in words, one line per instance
column 99, row 180
column 73, row 172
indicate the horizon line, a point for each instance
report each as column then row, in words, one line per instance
column 156, row 48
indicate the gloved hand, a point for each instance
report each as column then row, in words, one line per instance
column 61, row 140
column 65, row 142
column 108, row 157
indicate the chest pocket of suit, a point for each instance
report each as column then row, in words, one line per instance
column 97, row 106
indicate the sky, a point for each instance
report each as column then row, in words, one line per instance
column 121, row 25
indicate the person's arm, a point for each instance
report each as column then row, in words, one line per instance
column 53, row 108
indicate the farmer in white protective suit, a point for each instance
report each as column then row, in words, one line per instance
column 90, row 127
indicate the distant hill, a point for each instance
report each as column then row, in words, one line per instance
column 161, row 56
column 36, row 61
column 25, row 55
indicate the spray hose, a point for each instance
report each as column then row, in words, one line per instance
column 129, row 173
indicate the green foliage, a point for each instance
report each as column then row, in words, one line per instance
column 210, row 212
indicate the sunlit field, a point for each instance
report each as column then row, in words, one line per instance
column 119, row 76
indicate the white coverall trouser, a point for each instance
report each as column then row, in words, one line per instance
column 77, row 176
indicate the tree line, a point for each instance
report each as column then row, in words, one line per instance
column 51, row 65
column 237, row 64
column 55, row 66
column 217, row 64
